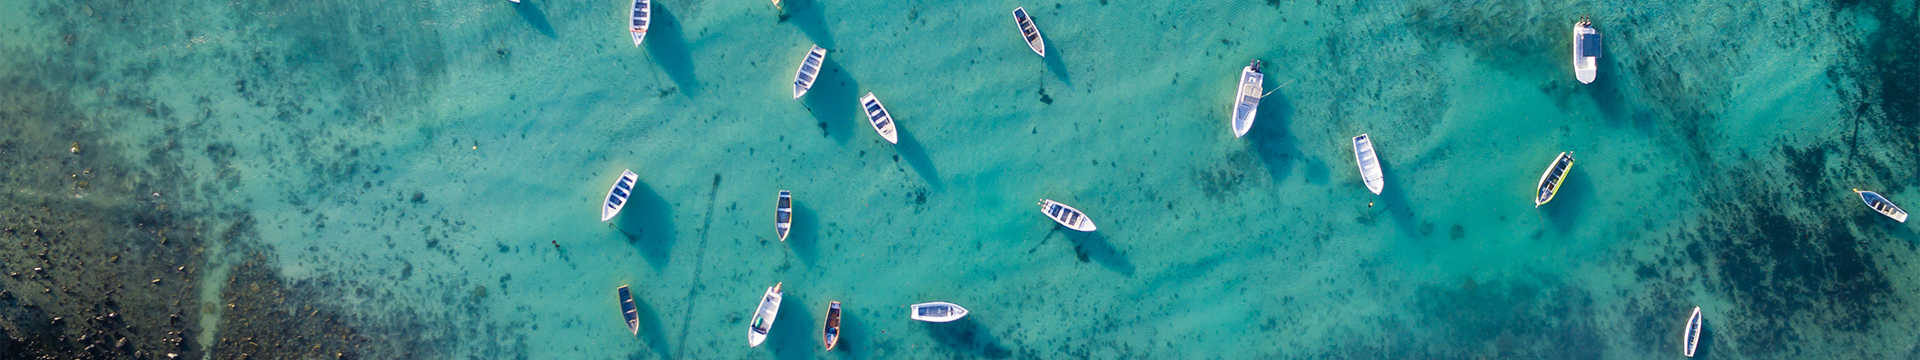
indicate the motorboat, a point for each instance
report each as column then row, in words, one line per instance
column 1586, row 50
column 763, row 316
column 1550, row 180
column 1246, row 102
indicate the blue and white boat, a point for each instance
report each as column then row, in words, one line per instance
column 1066, row 215
column 1586, row 50
column 1369, row 163
column 1029, row 32
column 878, row 116
column 617, row 197
column 938, row 311
column 783, row 215
column 809, row 71
column 1692, row 336
column 1247, row 101
column 1555, row 175
column 627, row 309
column 1882, row 205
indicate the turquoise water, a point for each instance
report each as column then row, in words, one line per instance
column 424, row 176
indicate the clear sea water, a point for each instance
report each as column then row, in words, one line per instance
column 432, row 169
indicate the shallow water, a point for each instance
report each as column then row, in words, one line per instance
column 419, row 180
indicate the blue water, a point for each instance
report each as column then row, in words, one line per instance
column 431, row 171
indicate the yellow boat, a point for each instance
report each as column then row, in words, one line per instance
column 1550, row 181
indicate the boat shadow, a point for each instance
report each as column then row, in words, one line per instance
column 804, row 236
column 1271, row 140
column 651, row 331
column 1393, row 200
column 1575, row 193
column 833, row 102
column 968, row 338
column 667, row 44
column 795, row 333
column 853, row 334
column 536, row 18
column 1094, row 246
column 1056, row 62
column 809, row 17
column 916, row 156
column 647, row 222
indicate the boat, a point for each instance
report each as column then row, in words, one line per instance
column 878, row 116
column 1066, row 215
column 938, row 311
column 1586, row 50
column 514, row 1
column 1550, row 181
column 1029, row 32
column 763, row 317
column 626, row 308
column 642, row 17
column 783, row 215
column 776, row 4
column 617, row 197
column 832, row 332
column 809, row 71
column 1692, row 336
column 1881, row 204
column 1369, row 163
column 1247, row 102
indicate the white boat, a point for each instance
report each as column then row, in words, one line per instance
column 1586, row 50
column 1882, row 205
column 1369, row 163
column 514, row 1
column 1029, row 32
column 763, row 317
column 1066, row 215
column 617, row 197
column 1247, row 101
column 1550, row 181
column 776, row 4
column 783, row 215
column 627, row 309
column 1692, row 338
column 878, row 116
column 938, row 311
column 809, row 71
column 642, row 18
column 832, row 333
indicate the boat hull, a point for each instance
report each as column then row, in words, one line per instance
column 880, row 118
column 1551, row 180
column 1246, row 101
column 938, row 311
column 1585, row 65
column 1881, row 205
column 1029, row 32
column 1369, row 163
column 627, row 310
column 617, row 196
column 763, row 316
column 809, row 71
column 1066, row 215
column 1691, row 339
column 783, row 215
column 832, row 333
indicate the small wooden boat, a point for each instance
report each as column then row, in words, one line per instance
column 809, row 71
column 878, row 116
column 1247, row 102
column 1066, row 215
column 783, row 215
column 1029, row 32
column 832, row 332
column 1692, row 338
column 1369, row 163
column 1550, row 181
column 1586, row 50
column 938, row 311
column 626, row 308
column 617, row 197
column 763, row 317
column 1882, row 205
column 642, row 17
